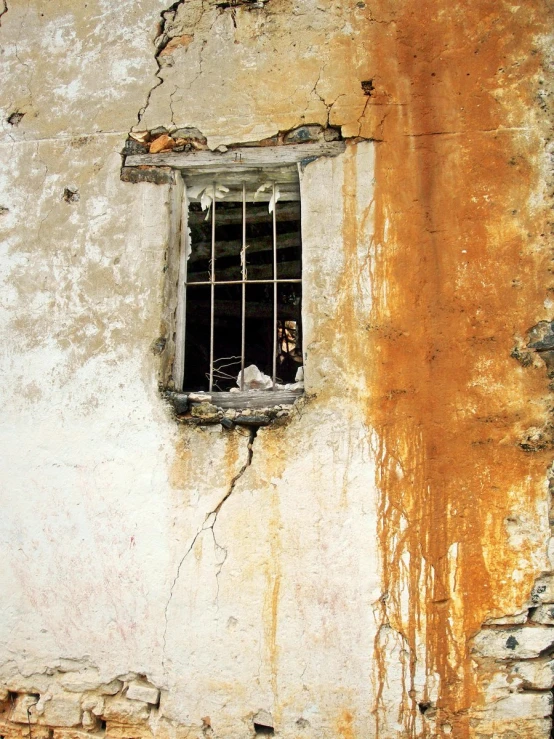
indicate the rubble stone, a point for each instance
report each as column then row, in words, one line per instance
column 518, row 618
column 161, row 143
column 520, row 706
column 61, row 712
column 82, row 681
column 189, row 133
column 69, row 733
column 537, row 675
column 24, row 703
column 203, row 410
column 543, row 590
column 544, row 615
column 304, row 133
column 140, row 690
column 526, row 642
column 124, row 711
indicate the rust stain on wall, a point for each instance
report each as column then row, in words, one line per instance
column 344, row 725
column 458, row 251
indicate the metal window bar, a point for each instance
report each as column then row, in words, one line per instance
column 244, row 281
column 212, row 296
column 243, row 307
column 274, row 288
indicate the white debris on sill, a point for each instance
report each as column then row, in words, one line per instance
column 291, row 386
column 255, row 379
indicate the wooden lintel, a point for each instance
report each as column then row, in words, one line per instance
column 243, row 157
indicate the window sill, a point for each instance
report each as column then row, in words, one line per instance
column 248, row 408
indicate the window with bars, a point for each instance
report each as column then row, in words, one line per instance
column 239, row 324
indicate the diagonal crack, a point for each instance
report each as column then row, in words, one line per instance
column 210, row 521
column 3, row 10
column 161, row 42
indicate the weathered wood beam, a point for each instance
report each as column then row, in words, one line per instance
column 255, row 213
column 202, row 249
column 245, row 156
column 285, row 270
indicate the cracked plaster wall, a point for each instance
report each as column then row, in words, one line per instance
column 367, row 543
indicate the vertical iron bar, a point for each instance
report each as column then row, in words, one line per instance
column 274, row 290
column 180, row 244
column 212, row 295
column 243, row 263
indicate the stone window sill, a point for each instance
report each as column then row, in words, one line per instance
column 248, row 408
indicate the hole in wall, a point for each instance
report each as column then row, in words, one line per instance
column 423, row 707
column 262, row 730
column 71, row 195
column 14, row 119
column 367, row 87
column 102, row 725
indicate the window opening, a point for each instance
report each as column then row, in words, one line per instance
column 243, row 287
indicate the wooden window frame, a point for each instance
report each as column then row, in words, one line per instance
column 250, row 163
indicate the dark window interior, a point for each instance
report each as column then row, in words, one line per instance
column 259, row 322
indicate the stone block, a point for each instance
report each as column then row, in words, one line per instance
column 544, row 615
column 94, row 704
column 536, row 674
column 141, row 690
column 543, row 590
column 13, row 731
column 24, row 709
column 538, row 728
column 129, row 731
column 123, row 711
column 520, row 706
column 90, row 721
column 516, row 618
column 61, row 711
column 550, row 552
column 21, row 731
column 304, row 133
column 189, row 133
column 89, row 680
column 72, row 734
column 526, row 642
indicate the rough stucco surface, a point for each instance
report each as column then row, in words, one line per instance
column 346, row 582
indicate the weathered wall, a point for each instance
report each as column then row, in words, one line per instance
column 345, row 584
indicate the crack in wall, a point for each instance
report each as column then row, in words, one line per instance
column 209, row 523
column 160, row 44
column 4, row 11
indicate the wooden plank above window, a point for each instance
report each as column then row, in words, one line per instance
column 246, row 157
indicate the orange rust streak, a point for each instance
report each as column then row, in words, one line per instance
column 455, row 229
column 344, row 725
